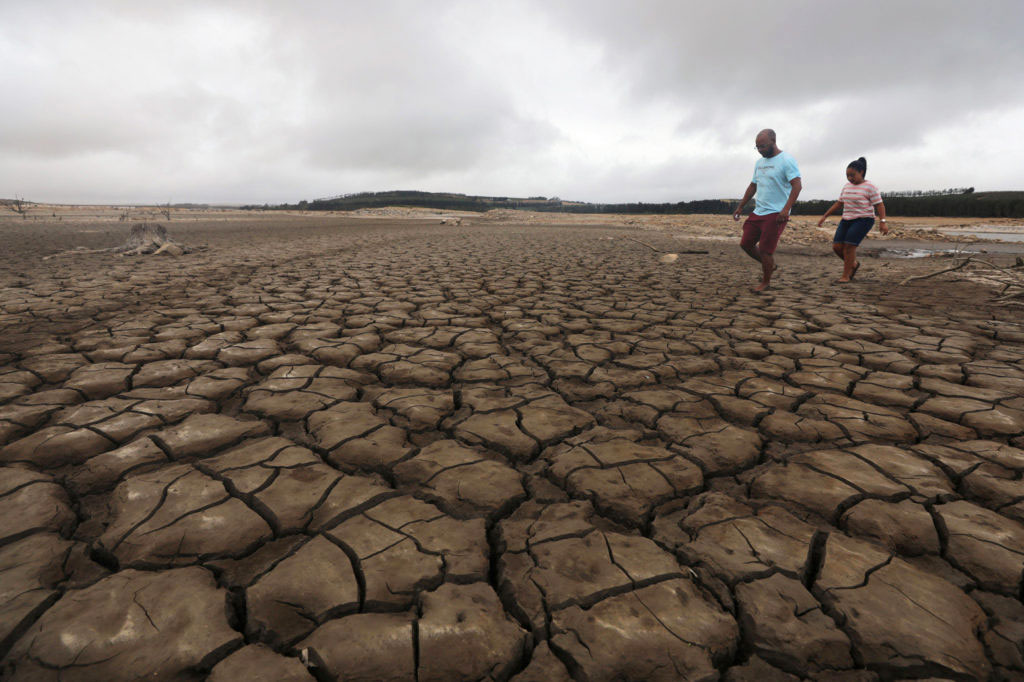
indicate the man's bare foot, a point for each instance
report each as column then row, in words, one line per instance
column 775, row 271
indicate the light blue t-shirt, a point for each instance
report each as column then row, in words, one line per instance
column 772, row 177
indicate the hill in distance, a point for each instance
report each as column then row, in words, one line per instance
column 965, row 203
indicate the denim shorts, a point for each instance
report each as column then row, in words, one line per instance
column 853, row 231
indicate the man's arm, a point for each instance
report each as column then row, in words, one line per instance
column 751, row 190
column 796, row 186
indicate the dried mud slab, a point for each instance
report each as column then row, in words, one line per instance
column 787, row 626
column 291, row 488
column 900, row 619
column 624, row 479
column 31, row 572
column 365, row 646
column 172, row 622
column 293, row 393
column 829, row 482
column 468, row 619
column 735, row 542
column 314, row 584
column 516, row 421
column 32, row 503
column 403, row 546
column 613, row 605
column 462, row 481
column 259, row 663
column 415, row 409
column 665, row 631
column 178, row 515
column 355, row 437
column 984, row 545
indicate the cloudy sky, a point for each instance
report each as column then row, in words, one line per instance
column 255, row 101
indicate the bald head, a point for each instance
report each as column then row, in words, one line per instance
column 765, row 143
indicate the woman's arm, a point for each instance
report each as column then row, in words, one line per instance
column 883, row 225
column 831, row 209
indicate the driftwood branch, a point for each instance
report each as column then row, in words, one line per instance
column 1009, row 280
column 657, row 250
column 75, row 252
column 933, row 274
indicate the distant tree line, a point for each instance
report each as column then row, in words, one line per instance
column 928, row 192
column 965, row 204
column 439, row 200
column 959, row 202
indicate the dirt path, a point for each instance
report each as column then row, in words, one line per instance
column 364, row 444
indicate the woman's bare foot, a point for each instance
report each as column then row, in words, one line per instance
column 760, row 287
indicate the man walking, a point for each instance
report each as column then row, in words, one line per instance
column 777, row 185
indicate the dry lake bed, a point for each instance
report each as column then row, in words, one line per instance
column 372, row 446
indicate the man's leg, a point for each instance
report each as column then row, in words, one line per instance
column 751, row 236
column 767, row 267
column 839, row 249
column 770, row 235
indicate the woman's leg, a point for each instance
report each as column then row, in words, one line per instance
column 849, row 261
column 838, row 245
column 839, row 249
column 858, row 229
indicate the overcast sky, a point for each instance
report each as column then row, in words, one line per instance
column 641, row 100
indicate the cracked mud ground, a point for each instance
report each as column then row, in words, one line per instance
column 403, row 451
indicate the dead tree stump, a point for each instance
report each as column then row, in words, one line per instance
column 146, row 238
column 143, row 239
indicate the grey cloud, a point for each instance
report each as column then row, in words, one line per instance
column 421, row 137
column 402, row 95
column 791, row 51
column 680, row 179
column 48, row 126
column 895, row 70
column 254, row 100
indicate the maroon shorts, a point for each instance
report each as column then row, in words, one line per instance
column 764, row 230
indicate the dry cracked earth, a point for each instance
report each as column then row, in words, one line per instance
column 368, row 450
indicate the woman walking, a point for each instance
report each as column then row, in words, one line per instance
column 859, row 200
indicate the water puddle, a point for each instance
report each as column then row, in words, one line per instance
column 923, row 253
column 1000, row 236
